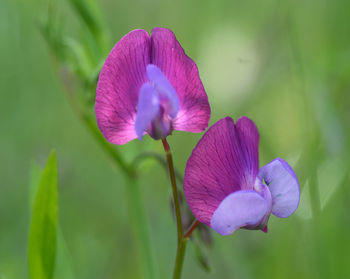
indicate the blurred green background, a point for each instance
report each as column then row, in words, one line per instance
column 285, row 64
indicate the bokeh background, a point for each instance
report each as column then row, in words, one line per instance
column 285, row 64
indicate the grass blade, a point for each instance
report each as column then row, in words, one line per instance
column 43, row 227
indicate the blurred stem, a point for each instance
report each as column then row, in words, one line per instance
column 133, row 193
column 112, row 152
column 91, row 22
column 82, row 109
column 314, row 197
column 158, row 158
column 181, row 240
column 140, row 227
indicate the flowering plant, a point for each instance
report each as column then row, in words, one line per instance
column 149, row 85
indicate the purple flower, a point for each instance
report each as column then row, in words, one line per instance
column 225, row 188
column 148, row 84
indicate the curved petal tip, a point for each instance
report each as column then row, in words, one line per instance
column 284, row 187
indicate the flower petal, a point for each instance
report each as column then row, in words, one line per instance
column 217, row 166
column 249, row 142
column 239, row 209
column 166, row 90
column 182, row 73
column 147, row 108
column 121, row 78
column 284, row 187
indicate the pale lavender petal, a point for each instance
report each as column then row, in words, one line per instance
column 283, row 185
column 167, row 91
column 147, row 108
column 264, row 191
column 239, row 209
column 215, row 169
column 182, row 73
column 121, row 78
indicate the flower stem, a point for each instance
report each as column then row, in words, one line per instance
column 136, row 209
column 174, row 189
column 181, row 240
column 191, row 229
column 180, row 255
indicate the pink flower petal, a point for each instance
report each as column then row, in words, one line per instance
column 182, row 73
column 249, row 141
column 121, row 78
column 221, row 163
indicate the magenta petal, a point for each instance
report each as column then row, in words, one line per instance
column 283, row 185
column 264, row 229
column 239, row 209
column 217, row 167
column 182, row 73
column 147, row 108
column 249, row 141
column 121, row 78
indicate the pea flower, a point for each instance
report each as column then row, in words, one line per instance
column 225, row 188
column 149, row 85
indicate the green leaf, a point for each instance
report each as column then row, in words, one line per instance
column 43, row 227
column 304, row 210
column 85, row 12
column 63, row 267
column 51, row 26
column 201, row 256
column 330, row 175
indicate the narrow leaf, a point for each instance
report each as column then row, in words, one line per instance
column 43, row 227
column 63, row 266
column 304, row 210
column 201, row 257
column 330, row 176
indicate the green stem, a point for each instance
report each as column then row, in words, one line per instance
column 136, row 206
column 133, row 193
column 140, row 226
column 181, row 240
column 180, row 255
column 158, row 158
column 112, row 152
